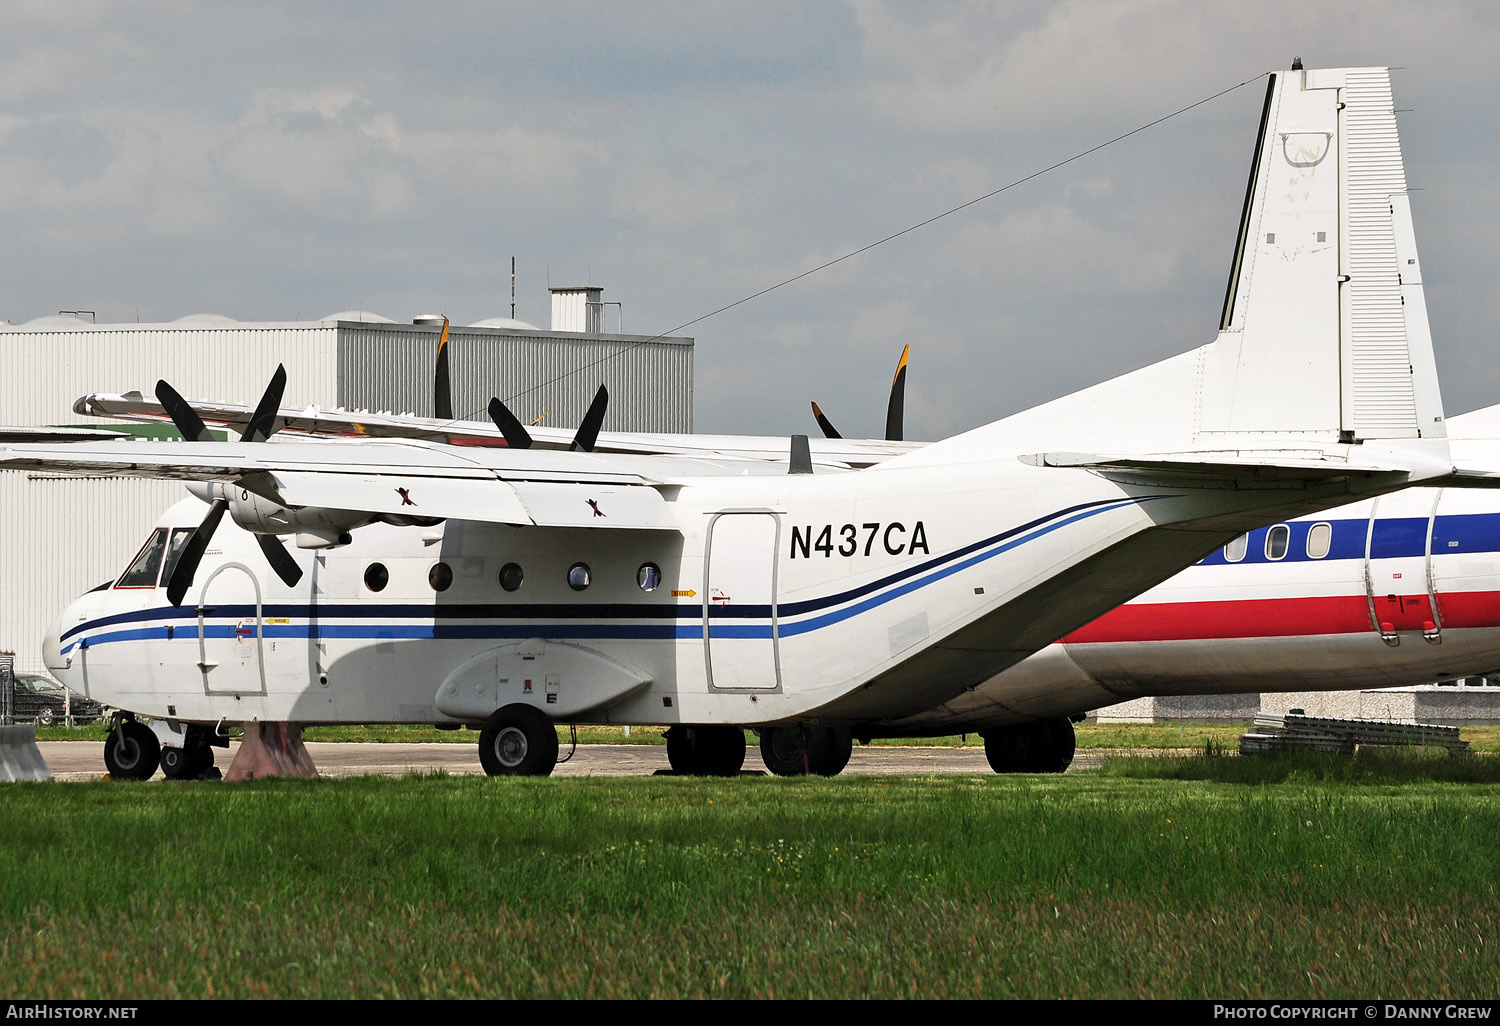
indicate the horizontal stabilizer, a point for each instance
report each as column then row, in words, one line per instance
column 1204, row 469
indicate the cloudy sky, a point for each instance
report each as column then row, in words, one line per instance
column 282, row 161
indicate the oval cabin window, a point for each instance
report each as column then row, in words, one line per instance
column 1319, row 540
column 1277, row 539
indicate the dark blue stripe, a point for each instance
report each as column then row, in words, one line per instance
column 1004, row 542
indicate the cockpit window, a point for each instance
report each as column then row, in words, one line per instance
column 142, row 572
column 180, row 536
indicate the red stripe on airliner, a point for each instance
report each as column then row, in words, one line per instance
column 1269, row 618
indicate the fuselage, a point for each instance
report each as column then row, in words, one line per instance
column 857, row 597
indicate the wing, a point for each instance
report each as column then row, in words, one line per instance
column 340, row 423
column 410, row 478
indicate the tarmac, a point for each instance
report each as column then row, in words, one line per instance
column 84, row 760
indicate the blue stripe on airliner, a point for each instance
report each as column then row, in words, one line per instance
column 1392, row 537
column 977, row 552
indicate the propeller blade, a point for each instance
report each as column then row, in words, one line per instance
column 829, row 431
column 280, row 559
column 189, row 424
column 442, row 385
column 588, row 431
column 516, row 435
column 895, row 413
column 263, row 422
column 192, row 553
column 541, row 418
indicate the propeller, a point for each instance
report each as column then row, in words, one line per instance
column 588, row 428
column 442, row 386
column 895, row 412
column 516, row 435
column 262, row 426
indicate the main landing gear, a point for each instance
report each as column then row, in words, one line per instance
column 1041, row 746
column 706, row 751
column 518, row 741
column 195, row 759
column 800, row 750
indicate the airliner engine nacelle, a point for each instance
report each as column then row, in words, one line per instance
column 315, row 527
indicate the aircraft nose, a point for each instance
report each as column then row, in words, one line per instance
column 52, row 656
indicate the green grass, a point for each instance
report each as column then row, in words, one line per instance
column 1087, row 885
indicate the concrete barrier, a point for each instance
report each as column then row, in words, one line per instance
column 20, row 759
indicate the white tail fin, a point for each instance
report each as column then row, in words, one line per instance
column 1325, row 251
column 1324, row 335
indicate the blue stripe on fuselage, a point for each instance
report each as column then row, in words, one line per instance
column 439, row 617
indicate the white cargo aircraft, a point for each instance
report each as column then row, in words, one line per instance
column 511, row 589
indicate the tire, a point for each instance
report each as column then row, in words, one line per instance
column 838, row 747
column 518, row 741
column 174, row 763
column 1064, row 744
column 46, row 716
column 131, row 752
column 706, row 751
column 1022, row 748
column 798, row 751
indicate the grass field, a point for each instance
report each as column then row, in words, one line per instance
column 1153, row 877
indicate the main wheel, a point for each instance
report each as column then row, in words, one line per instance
column 1064, row 743
column 1022, row 748
column 131, row 752
column 797, row 751
column 706, row 751
column 518, row 741
column 177, row 763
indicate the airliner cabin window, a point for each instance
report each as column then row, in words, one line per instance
column 648, row 577
column 440, row 576
column 1319, row 540
column 579, row 576
column 142, row 572
column 1276, row 541
column 1235, row 550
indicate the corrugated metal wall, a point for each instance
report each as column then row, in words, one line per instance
column 59, row 537
column 390, row 367
column 45, row 371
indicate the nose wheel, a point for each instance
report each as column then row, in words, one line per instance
column 131, row 751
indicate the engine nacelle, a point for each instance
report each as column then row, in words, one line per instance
column 316, row 527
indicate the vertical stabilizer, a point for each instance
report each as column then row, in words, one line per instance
column 1325, row 251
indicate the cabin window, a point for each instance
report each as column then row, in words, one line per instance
column 144, row 568
column 440, row 576
column 511, row 576
column 1276, row 541
column 377, row 577
column 579, row 576
column 1235, row 550
column 1319, row 540
column 648, row 577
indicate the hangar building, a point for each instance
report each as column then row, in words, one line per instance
column 61, row 536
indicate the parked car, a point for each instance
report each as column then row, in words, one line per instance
column 44, row 702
